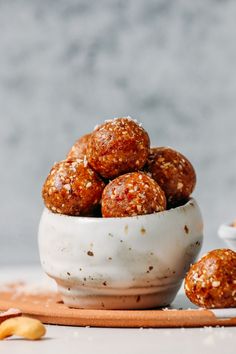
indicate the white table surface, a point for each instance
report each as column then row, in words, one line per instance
column 62, row 339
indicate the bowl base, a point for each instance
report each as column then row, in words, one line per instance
column 122, row 302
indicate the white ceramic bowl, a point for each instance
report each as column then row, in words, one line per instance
column 228, row 234
column 120, row 263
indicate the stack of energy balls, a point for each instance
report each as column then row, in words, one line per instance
column 113, row 172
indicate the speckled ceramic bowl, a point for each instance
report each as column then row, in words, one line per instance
column 120, row 263
column 227, row 233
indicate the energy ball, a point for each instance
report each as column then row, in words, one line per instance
column 173, row 172
column 132, row 194
column 211, row 282
column 78, row 150
column 72, row 188
column 118, row 146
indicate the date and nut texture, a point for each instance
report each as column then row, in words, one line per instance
column 118, row 146
column 173, row 172
column 72, row 188
column 211, row 282
column 78, row 150
column 132, row 194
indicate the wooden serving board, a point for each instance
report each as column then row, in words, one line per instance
column 49, row 309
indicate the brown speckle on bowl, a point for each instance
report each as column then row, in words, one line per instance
column 104, row 283
column 186, row 229
column 143, row 231
column 149, row 269
column 126, row 229
column 90, row 253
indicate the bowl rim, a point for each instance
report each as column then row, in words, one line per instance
column 190, row 203
column 227, row 231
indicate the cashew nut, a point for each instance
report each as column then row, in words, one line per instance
column 26, row 327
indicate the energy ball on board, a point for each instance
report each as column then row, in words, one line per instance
column 173, row 172
column 78, row 150
column 211, row 282
column 132, row 194
column 118, row 146
column 72, row 188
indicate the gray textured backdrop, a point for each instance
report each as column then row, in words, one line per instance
column 67, row 65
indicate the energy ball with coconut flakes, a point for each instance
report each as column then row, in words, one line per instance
column 211, row 282
column 78, row 150
column 173, row 172
column 118, row 146
column 132, row 194
column 72, row 188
